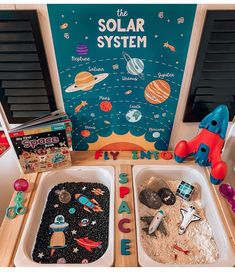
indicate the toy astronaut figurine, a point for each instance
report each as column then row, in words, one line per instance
column 58, row 238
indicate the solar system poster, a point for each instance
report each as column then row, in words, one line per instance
column 121, row 69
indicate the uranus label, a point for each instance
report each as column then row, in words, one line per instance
column 121, row 69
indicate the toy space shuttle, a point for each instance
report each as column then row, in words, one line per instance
column 188, row 216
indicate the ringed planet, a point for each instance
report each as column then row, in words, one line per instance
column 85, row 81
column 134, row 66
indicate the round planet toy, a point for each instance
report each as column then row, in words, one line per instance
column 85, row 81
column 21, row 185
column 82, row 49
column 72, row 210
column 134, row 66
column 64, row 196
column 133, row 116
column 61, row 261
column 157, row 91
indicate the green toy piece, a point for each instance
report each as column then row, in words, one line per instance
column 19, row 209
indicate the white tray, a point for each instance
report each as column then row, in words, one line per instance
column 195, row 175
column 104, row 175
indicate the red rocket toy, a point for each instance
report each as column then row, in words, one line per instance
column 208, row 144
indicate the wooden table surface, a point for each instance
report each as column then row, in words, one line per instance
column 11, row 230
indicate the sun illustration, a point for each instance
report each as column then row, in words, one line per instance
column 126, row 142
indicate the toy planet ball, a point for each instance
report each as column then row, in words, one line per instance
column 134, row 66
column 72, row 210
column 82, row 49
column 85, row 133
column 133, row 115
column 61, row 261
column 64, row 196
column 21, row 185
column 85, row 81
column 106, row 106
column 157, row 91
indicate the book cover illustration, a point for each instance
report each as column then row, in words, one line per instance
column 39, row 152
column 121, row 68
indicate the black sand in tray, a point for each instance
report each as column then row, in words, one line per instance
column 91, row 229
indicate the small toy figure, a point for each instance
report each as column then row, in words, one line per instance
column 88, row 204
column 88, row 244
column 228, row 192
column 185, row 190
column 188, row 216
column 208, row 144
column 58, row 238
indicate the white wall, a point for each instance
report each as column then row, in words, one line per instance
column 8, row 165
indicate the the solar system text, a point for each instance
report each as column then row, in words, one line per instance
column 117, row 25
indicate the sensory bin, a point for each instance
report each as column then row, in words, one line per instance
column 77, row 235
column 197, row 241
column 204, row 241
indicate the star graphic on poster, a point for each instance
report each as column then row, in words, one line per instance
column 84, row 188
column 93, row 223
column 56, row 206
column 40, row 255
column 74, row 232
column 75, row 250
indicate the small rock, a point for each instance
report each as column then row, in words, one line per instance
column 156, row 184
column 167, row 196
column 150, row 198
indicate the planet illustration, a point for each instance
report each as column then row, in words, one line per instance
column 156, row 134
column 64, row 26
column 85, row 133
column 133, row 115
column 85, row 81
column 82, row 49
column 134, row 66
column 106, row 106
column 157, row 91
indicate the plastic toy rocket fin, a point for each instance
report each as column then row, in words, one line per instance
column 216, row 121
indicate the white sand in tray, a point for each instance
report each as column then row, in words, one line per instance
column 198, row 238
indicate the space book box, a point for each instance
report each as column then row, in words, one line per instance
column 43, row 144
